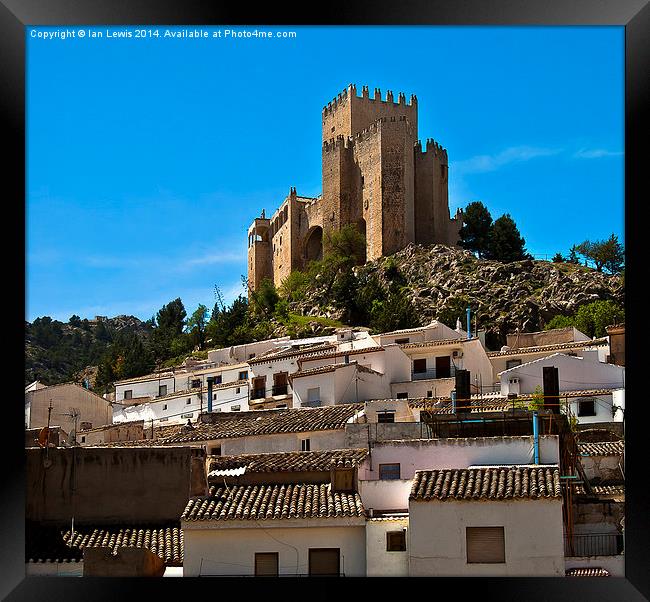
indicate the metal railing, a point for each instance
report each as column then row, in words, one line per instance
column 431, row 374
column 593, row 544
column 280, row 389
column 258, row 393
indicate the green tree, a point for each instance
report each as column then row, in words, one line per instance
column 347, row 246
column 593, row 318
column 560, row 321
column 264, row 299
column 558, row 258
column 172, row 316
column 537, row 400
column 197, row 324
column 294, row 286
column 475, row 232
column 607, row 254
column 505, row 242
column 74, row 320
column 228, row 325
column 573, row 255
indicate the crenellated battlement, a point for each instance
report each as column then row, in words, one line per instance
column 351, row 92
column 342, row 141
column 431, row 146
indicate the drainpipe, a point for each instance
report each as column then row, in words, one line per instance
column 469, row 324
column 453, row 401
column 536, row 437
column 210, row 380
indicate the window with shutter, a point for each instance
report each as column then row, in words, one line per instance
column 485, row 545
column 266, row 564
column 396, row 541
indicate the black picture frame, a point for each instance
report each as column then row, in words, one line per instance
column 634, row 15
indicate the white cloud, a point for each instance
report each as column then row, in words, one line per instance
column 514, row 154
column 596, row 153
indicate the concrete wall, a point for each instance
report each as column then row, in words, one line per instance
column 110, row 485
column 280, row 442
column 380, row 562
column 54, row 569
column 125, row 562
column 65, row 398
column 534, row 544
column 358, row 435
column 605, row 468
column 241, row 353
column 439, row 387
column 385, row 495
column 436, row 454
column 229, row 548
column 145, row 388
column 131, row 431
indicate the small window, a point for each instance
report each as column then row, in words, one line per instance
column 163, row 419
column 266, row 564
column 485, row 545
column 215, row 451
column 512, row 364
column 389, row 472
column 190, row 415
column 196, row 384
column 396, row 541
column 385, row 417
column 404, row 395
column 164, row 407
column 217, row 380
column 189, row 401
column 235, row 408
column 214, row 397
column 313, row 394
column 162, row 390
column 243, row 375
column 128, row 394
column 83, row 439
column 586, row 407
column 429, row 393
column 304, row 445
column 402, row 341
column 237, row 390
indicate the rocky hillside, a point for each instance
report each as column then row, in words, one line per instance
column 441, row 281
column 58, row 352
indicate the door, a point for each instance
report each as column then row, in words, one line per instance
column 443, row 367
column 324, row 561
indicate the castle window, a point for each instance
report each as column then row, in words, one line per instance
column 361, row 181
column 333, row 128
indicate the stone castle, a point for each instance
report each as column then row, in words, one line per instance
column 376, row 175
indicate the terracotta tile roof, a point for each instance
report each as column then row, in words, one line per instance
column 432, row 324
column 503, row 483
column 439, row 343
column 268, row 422
column 444, row 406
column 543, row 348
column 291, row 461
column 264, row 502
column 146, row 377
column 272, row 356
column 587, row 572
column 603, row 448
column 338, row 353
column 47, row 543
column 331, row 368
column 616, row 490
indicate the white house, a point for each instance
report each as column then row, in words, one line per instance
column 486, row 521
column 275, row 529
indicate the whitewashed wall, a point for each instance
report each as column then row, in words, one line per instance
column 229, row 547
column 380, row 562
column 534, row 541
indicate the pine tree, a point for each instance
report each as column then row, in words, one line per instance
column 505, row 241
column 475, row 232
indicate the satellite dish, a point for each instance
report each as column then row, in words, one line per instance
column 44, row 436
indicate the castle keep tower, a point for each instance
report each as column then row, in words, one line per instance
column 376, row 175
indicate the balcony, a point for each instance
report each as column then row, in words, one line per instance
column 258, row 393
column 279, row 390
column 593, row 544
column 431, row 374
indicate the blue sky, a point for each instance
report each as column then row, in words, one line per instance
column 147, row 159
